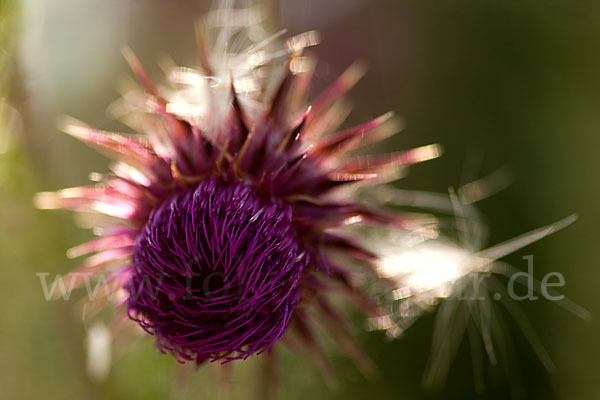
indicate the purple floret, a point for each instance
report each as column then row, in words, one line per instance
column 217, row 272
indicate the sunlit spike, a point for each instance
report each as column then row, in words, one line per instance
column 331, row 119
column 340, row 140
column 81, row 192
column 79, row 129
column 423, row 153
column 413, row 198
column 302, row 65
column 179, row 130
column 265, row 42
column 372, row 164
column 90, row 268
column 387, row 129
column 112, row 241
column 258, row 58
column 279, row 103
column 247, row 85
column 129, row 172
column 118, row 210
column 99, row 224
column 345, row 81
column 184, row 109
column 186, row 76
column 96, row 177
column 139, row 71
column 86, row 199
column 117, row 144
column 46, row 201
column 385, row 323
column 303, row 40
column 104, row 258
column 192, row 77
column 510, row 246
column 293, row 167
column 502, row 268
column 485, row 187
column 131, row 100
column 385, row 175
column 295, row 134
column 354, row 220
column 303, row 68
column 124, row 187
column 347, row 177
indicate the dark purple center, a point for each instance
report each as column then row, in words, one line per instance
column 217, row 272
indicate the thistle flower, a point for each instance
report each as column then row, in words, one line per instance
column 229, row 220
column 227, row 215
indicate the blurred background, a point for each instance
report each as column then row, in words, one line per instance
column 511, row 83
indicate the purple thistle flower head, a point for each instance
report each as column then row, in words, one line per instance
column 217, row 272
column 225, row 223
